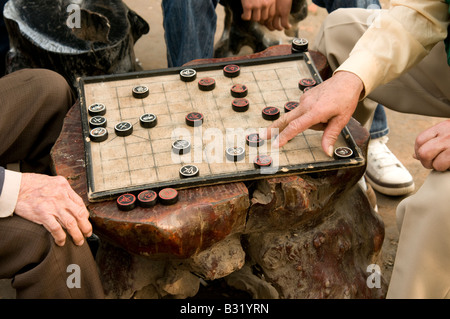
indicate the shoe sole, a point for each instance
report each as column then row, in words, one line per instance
column 391, row 191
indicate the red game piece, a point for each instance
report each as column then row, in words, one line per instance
column 126, row 202
column 168, row 196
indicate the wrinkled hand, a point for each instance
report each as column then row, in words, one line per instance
column 280, row 19
column 328, row 106
column 432, row 147
column 258, row 10
column 51, row 202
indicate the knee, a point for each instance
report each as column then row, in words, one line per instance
column 339, row 33
column 55, row 87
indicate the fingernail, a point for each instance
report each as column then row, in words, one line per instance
column 330, row 151
column 276, row 143
column 80, row 243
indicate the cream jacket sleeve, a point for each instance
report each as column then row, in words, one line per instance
column 9, row 191
column 398, row 39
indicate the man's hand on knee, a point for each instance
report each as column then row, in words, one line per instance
column 51, row 202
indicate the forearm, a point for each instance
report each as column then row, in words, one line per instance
column 397, row 40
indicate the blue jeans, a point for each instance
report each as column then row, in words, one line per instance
column 379, row 126
column 190, row 26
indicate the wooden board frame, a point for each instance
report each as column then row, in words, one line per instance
column 94, row 195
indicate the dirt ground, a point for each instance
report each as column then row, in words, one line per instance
column 151, row 52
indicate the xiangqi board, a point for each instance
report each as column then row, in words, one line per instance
column 199, row 125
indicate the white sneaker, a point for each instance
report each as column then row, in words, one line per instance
column 385, row 172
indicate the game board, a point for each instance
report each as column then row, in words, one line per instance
column 146, row 158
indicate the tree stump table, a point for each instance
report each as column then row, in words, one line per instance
column 304, row 236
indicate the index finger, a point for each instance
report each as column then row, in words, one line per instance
column 293, row 128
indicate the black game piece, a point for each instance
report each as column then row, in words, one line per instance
column 231, row 70
column 148, row 120
column 123, row 129
column 262, row 161
column 304, row 83
column 342, row 152
column 240, row 105
column 168, row 196
column 307, row 88
column 97, row 121
column 188, row 75
column 254, row 140
column 289, row 106
column 270, row 113
column 194, row 119
column 181, row 147
column 299, row 45
column 97, row 109
column 189, row 171
column 207, row 84
column 239, row 90
column 235, row 153
column 98, row 134
column 147, row 198
column 126, row 202
column 140, row 91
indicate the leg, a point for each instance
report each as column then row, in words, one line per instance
column 33, row 104
column 189, row 27
column 423, row 260
column 38, row 267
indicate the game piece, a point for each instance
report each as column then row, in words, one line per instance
column 239, row 90
column 126, row 202
column 304, row 83
column 299, row 45
column 194, row 119
column 140, row 91
column 189, row 171
column 262, row 161
column 231, row 70
column 207, row 84
column 270, row 113
column 97, row 121
column 168, row 196
column 147, row 198
column 188, row 75
column 307, row 88
column 240, row 104
column 235, row 153
column 123, row 129
column 289, row 106
column 254, row 140
column 97, row 109
column 181, row 147
column 98, row 134
column 148, row 120
column 343, row 152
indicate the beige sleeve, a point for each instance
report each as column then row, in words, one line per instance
column 398, row 39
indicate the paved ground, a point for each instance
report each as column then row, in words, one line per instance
column 151, row 50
